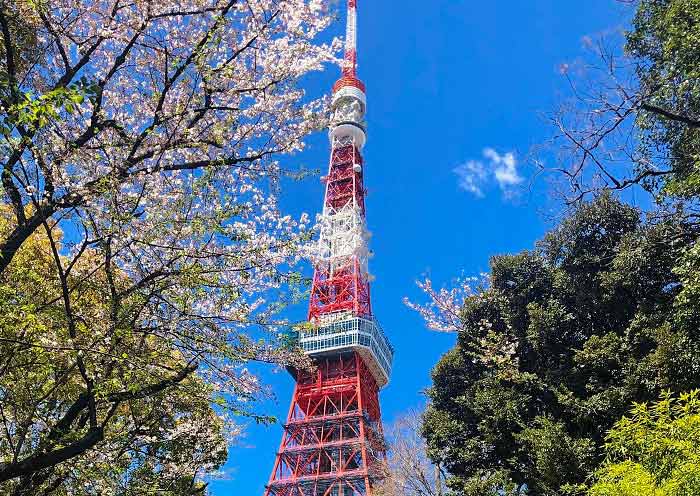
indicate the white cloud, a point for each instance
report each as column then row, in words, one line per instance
column 471, row 176
column 474, row 175
column 506, row 168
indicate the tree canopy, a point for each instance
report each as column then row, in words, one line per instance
column 143, row 254
column 555, row 345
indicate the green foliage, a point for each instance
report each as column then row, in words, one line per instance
column 655, row 451
column 665, row 40
column 559, row 344
column 36, row 112
column 159, row 442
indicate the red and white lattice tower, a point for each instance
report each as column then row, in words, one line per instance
column 332, row 443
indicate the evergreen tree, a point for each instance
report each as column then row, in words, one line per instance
column 556, row 345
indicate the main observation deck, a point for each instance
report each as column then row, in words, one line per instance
column 340, row 332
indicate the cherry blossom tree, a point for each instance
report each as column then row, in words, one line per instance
column 140, row 146
column 443, row 311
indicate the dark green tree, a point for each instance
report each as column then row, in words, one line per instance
column 555, row 346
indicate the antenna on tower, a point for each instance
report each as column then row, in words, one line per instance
column 350, row 65
column 349, row 74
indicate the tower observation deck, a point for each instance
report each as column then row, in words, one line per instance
column 332, row 443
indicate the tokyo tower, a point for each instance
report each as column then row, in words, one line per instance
column 332, row 443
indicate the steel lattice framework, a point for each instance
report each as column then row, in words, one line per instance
column 332, row 443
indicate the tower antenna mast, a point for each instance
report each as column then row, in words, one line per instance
column 350, row 68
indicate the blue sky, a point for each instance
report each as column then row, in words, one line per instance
column 456, row 92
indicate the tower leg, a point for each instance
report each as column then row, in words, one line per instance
column 332, row 442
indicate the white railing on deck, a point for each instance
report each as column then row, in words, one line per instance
column 350, row 332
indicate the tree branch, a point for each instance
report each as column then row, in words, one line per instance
column 670, row 115
column 93, row 436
